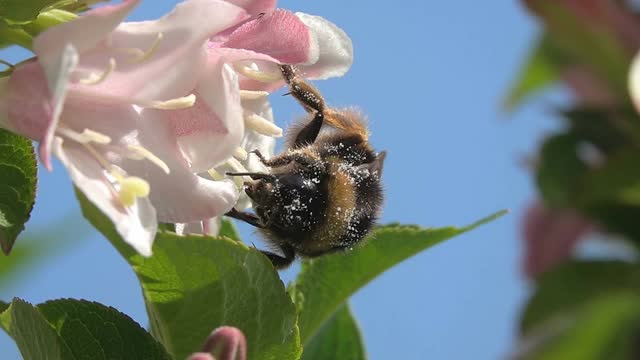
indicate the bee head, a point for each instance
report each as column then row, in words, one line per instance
column 286, row 200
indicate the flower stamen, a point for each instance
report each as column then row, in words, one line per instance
column 172, row 104
column 139, row 153
column 94, row 78
column 261, row 125
column 145, row 55
column 85, row 137
column 255, row 74
column 132, row 187
column 252, row 95
column 215, row 175
column 240, row 154
column 236, row 166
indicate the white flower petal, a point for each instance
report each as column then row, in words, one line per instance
column 204, row 146
column 58, row 73
column 335, row 48
column 136, row 224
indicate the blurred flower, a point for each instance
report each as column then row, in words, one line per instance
column 593, row 42
column 224, row 343
column 634, row 81
column 121, row 105
column 550, row 236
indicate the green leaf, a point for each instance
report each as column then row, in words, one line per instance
column 33, row 334
column 22, row 11
column 338, row 338
column 194, row 284
column 77, row 329
column 608, row 130
column 18, row 171
column 606, row 327
column 540, row 70
column 325, row 283
column 574, row 283
column 611, row 194
column 560, row 170
column 228, row 229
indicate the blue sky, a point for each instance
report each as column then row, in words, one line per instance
column 431, row 75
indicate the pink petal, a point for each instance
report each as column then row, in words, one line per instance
column 84, row 32
column 587, row 87
column 36, row 100
column 210, row 131
column 550, row 237
column 280, row 35
column 173, row 68
column 240, row 56
column 58, row 80
column 205, row 227
column 255, row 7
column 178, row 197
column 28, row 103
column 136, row 224
column 181, row 196
column 335, row 48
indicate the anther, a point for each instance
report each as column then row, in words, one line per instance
column 143, row 153
column 261, row 125
column 240, row 154
column 142, row 56
column 215, row 175
column 172, row 104
column 132, row 187
column 236, row 166
column 255, row 74
column 85, row 137
column 252, row 95
column 94, row 79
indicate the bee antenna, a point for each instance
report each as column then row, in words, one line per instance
column 254, row 176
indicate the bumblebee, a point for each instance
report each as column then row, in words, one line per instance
column 324, row 193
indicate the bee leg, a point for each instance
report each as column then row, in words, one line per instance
column 253, row 176
column 307, row 95
column 308, row 134
column 279, row 261
column 285, row 159
column 247, row 217
column 259, row 155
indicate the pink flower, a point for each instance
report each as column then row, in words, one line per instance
column 224, row 343
column 550, row 237
column 121, row 105
column 135, row 111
